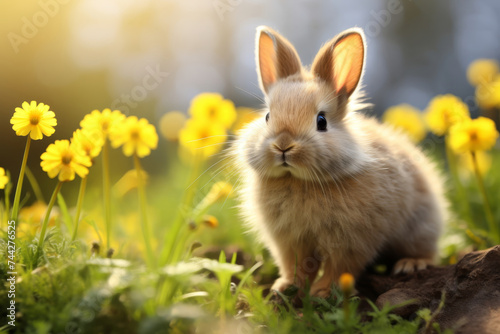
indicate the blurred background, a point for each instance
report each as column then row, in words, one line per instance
column 148, row 57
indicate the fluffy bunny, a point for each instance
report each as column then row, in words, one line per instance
column 324, row 185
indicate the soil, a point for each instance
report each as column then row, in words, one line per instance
column 470, row 291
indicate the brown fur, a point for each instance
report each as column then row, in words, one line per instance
column 349, row 193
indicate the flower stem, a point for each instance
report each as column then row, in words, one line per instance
column 144, row 217
column 460, row 190
column 345, row 306
column 46, row 221
column 79, row 203
column 34, row 185
column 106, row 191
column 8, row 188
column 487, row 208
column 171, row 239
column 17, row 196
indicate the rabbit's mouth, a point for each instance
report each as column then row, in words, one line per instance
column 285, row 164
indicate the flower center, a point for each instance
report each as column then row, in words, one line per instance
column 134, row 134
column 447, row 116
column 204, row 136
column 87, row 149
column 105, row 125
column 473, row 136
column 34, row 119
column 66, row 158
column 212, row 112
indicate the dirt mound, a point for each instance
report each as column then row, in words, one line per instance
column 471, row 292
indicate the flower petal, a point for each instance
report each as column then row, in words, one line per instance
column 66, row 174
column 36, row 133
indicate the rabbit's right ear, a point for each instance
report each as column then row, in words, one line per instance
column 276, row 58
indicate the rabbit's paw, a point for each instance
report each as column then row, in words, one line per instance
column 323, row 292
column 410, row 265
column 281, row 284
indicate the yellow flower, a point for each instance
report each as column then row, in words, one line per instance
column 444, row 111
column 212, row 108
column 4, row 179
column 483, row 160
column 128, row 182
column 33, row 216
column 479, row 134
column 245, row 116
column 202, row 139
column 102, row 123
column 482, row 71
column 63, row 159
column 408, row 119
column 89, row 142
column 346, row 283
column 35, row 120
column 220, row 190
column 488, row 95
column 210, row 221
column 171, row 124
column 136, row 135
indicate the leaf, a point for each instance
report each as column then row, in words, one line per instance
column 182, row 268
column 196, row 264
column 194, row 295
column 109, row 262
column 120, row 278
column 96, row 229
column 247, row 275
column 220, row 268
column 64, row 209
column 424, row 314
column 222, row 257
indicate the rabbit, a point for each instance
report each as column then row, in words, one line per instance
column 324, row 185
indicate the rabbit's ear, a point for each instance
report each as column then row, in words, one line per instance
column 340, row 61
column 276, row 58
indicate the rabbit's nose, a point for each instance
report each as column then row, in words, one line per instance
column 284, row 142
column 283, row 150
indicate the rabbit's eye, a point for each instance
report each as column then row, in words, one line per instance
column 321, row 122
column 267, row 117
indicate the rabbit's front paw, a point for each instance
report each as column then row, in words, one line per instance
column 281, row 284
column 322, row 292
column 410, row 265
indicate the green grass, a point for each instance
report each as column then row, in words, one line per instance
column 216, row 282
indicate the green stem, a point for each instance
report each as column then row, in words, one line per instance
column 144, row 217
column 17, row 196
column 65, row 213
column 46, row 221
column 460, row 190
column 345, row 306
column 8, row 188
column 106, row 191
column 34, row 185
column 180, row 244
column 487, row 208
column 79, row 203
column 171, row 238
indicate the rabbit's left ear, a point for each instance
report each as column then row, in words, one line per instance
column 340, row 62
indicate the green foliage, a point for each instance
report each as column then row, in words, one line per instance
column 218, row 287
